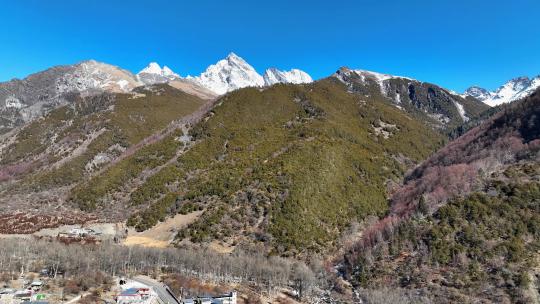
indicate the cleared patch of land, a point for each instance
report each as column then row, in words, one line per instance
column 163, row 233
column 221, row 248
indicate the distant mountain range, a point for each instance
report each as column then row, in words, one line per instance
column 153, row 73
column 24, row 100
column 226, row 75
column 514, row 89
column 21, row 101
column 29, row 98
column 233, row 73
column 358, row 168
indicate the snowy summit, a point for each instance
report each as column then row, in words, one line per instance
column 514, row 89
column 234, row 73
column 273, row 76
column 153, row 73
column 229, row 74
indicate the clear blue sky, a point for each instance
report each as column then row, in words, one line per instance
column 451, row 43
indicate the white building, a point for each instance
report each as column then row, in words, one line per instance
column 223, row 299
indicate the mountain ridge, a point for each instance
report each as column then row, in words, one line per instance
column 514, row 89
column 22, row 100
column 273, row 75
column 429, row 102
column 234, row 73
column 154, row 73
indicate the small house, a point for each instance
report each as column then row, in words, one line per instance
column 23, row 295
column 36, row 285
column 229, row 298
column 133, row 295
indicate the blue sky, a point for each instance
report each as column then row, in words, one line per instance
column 452, row 43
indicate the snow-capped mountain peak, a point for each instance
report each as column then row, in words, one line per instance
column 168, row 72
column 363, row 74
column 514, row 89
column 273, row 76
column 152, row 68
column 233, row 60
column 94, row 75
column 35, row 95
column 153, row 73
column 229, row 74
column 345, row 74
column 233, row 57
column 478, row 93
column 377, row 76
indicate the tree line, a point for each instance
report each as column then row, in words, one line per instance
column 250, row 268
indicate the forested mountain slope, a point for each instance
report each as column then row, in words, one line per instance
column 287, row 167
column 464, row 227
column 40, row 162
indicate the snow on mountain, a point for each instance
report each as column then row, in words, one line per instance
column 12, row 102
column 410, row 95
column 344, row 73
column 93, row 75
column 461, row 111
column 514, row 89
column 169, row 73
column 22, row 100
column 229, row 74
column 273, row 76
column 153, row 73
column 478, row 93
column 152, row 68
column 379, row 76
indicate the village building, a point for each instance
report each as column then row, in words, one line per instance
column 82, row 232
column 36, row 285
column 134, row 296
column 229, row 298
column 23, row 295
